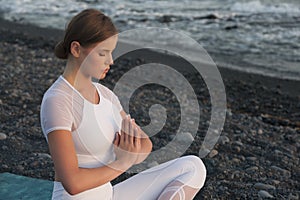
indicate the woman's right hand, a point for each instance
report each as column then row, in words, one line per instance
column 128, row 142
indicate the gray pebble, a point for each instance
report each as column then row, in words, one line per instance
column 43, row 155
column 152, row 164
column 264, row 194
column 185, row 137
column 229, row 112
column 239, row 143
column 3, row 136
column 237, row 148
column 4, row 166
column 236, row 160
column 251, row 158
column 283, row 171
column 251, row 169
column 262, row 186
column 4, row 147
column 224, row 139
column 213, row 153
column 20, row 167
column 242, row 158
column 276, row 182
column 277, row 151
column 203, row 152
column 293, row 197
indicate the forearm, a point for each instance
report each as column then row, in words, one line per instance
column 87, row 178
column 146, row 148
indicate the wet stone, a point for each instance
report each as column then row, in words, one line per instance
column 264, row 194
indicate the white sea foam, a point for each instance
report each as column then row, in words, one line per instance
column 259, row 7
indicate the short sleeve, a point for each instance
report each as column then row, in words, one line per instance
column 56, row 114
column 116, row 102
column 110, row 95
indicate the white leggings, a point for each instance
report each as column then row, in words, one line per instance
column 177, row 179
column 162, row 180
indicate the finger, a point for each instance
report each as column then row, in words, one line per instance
column 132, row 126
column 127, row 128
column 137, row 136
column 127, row 124
column 123, row 126
column 135, row 124
column 117, row 140
column 123, row 134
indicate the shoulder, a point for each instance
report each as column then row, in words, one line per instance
column 58, row 92
column 105, row 91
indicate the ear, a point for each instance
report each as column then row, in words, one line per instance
column 75, row 49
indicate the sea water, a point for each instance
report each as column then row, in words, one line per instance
column 259, row 36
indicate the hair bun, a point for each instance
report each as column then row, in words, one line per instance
column 60, row 51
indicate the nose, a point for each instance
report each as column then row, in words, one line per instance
column 110, row 60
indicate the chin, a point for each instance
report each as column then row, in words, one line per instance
column 102, row 76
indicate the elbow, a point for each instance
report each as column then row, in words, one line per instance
column 73, row 191
column 73, row 188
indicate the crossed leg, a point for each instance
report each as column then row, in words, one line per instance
column 177, row 179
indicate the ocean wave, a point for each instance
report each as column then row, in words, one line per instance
column 259, row 7
column 254, row 28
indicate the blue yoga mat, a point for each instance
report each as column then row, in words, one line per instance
column 15, row 187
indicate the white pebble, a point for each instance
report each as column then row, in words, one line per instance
column 3, row 136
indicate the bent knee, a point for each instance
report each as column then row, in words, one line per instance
column 199, row 171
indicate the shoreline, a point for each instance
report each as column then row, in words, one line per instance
column 49, row 37
column 258, row 149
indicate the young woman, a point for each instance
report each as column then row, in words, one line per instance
column 91, row 139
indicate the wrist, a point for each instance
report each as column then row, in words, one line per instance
column 120, row 165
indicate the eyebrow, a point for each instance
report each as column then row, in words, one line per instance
column 105, row 49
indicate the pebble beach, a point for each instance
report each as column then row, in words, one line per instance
column 256, row 157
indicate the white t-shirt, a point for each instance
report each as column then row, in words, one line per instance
column 93, row 126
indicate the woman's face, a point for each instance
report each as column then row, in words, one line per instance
column 97, row 59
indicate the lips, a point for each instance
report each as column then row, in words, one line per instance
column 106, row 70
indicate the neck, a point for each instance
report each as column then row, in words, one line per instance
column 74, row 76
